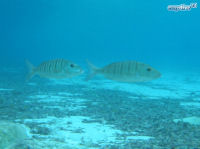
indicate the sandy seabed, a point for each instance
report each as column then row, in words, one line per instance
column 103, row 114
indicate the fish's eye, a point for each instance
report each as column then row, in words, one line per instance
column 148, row 69
column 72, row 65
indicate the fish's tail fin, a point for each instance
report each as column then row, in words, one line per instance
column 93, row 70
column 31, row 70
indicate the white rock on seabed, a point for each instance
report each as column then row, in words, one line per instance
column 142, row 138
column 56, row 98
column 32, row 84
column 196, row 99
column 191, row 120
column 6, row 89
column 190, row 104
column 76, row 131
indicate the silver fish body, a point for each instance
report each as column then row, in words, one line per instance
column 127, row 71
column 57, row 69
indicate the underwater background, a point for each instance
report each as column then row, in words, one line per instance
column 99, row 31
column 162, row 114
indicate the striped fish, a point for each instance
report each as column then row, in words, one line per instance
column 58, row 69
column 127, row 71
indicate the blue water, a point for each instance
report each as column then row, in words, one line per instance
column 105, row 31
column 100, row 31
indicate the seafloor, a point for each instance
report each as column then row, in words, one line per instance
column 102, row 114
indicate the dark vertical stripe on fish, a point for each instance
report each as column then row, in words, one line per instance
column 62, row 64
column 115, row 71
column 49, row 68
column 54, row 68
column 136, row 67
column 129, row 68
column 125, row 69
column 108, row 69
column 118, row 69
column 112, row 69
column 58, row 65
column 38, row 68
column 121, row 68
column 43, row 68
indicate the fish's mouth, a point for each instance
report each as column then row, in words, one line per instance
column 80, row 71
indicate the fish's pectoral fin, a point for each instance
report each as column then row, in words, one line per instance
column 93, row 71
column 31, row 70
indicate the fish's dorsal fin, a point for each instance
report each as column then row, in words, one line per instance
column 31, row 68
column 93, row 70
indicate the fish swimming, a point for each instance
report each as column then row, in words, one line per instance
column 126, row 71
column 56, row 69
